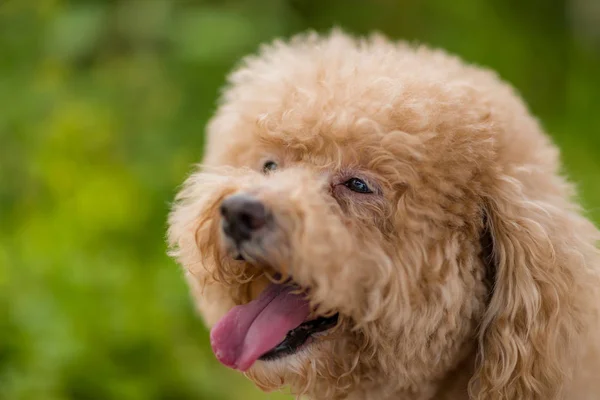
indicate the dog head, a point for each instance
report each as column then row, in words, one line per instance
column 369, row 215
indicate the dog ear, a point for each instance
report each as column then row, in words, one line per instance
column 540, row 248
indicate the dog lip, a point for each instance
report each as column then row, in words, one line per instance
column 297, row 338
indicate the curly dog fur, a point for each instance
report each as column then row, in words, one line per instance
column 468, row 273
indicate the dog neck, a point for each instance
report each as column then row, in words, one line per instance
column 454, row 386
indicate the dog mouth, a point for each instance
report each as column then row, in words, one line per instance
column 274, row 325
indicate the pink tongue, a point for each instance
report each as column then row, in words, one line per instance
column 248, row 331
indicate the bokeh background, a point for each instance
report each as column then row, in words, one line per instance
column 102, row 110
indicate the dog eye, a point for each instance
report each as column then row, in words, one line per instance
column 269, row 167
column 357, row 185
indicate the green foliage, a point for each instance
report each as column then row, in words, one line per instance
column 102, row 111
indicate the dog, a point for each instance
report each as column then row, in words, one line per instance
column 380, row 220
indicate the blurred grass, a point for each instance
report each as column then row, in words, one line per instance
column 102, row 109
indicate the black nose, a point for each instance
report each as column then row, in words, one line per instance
column 242, row 215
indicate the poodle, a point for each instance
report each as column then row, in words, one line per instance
column 378, row 220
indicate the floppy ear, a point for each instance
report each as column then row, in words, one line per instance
column 538, row 308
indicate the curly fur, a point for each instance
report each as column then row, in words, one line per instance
column 452, row 154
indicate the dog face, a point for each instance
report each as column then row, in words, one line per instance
column 333, row 237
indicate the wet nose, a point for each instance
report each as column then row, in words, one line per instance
column 242, row 215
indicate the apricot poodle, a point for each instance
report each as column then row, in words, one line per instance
column 375, row 220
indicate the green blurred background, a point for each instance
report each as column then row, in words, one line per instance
column 102, row 111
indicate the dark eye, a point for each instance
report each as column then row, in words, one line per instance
column 269, row 166
column 357, row 185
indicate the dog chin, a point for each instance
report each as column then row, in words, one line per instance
column 292, row 370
